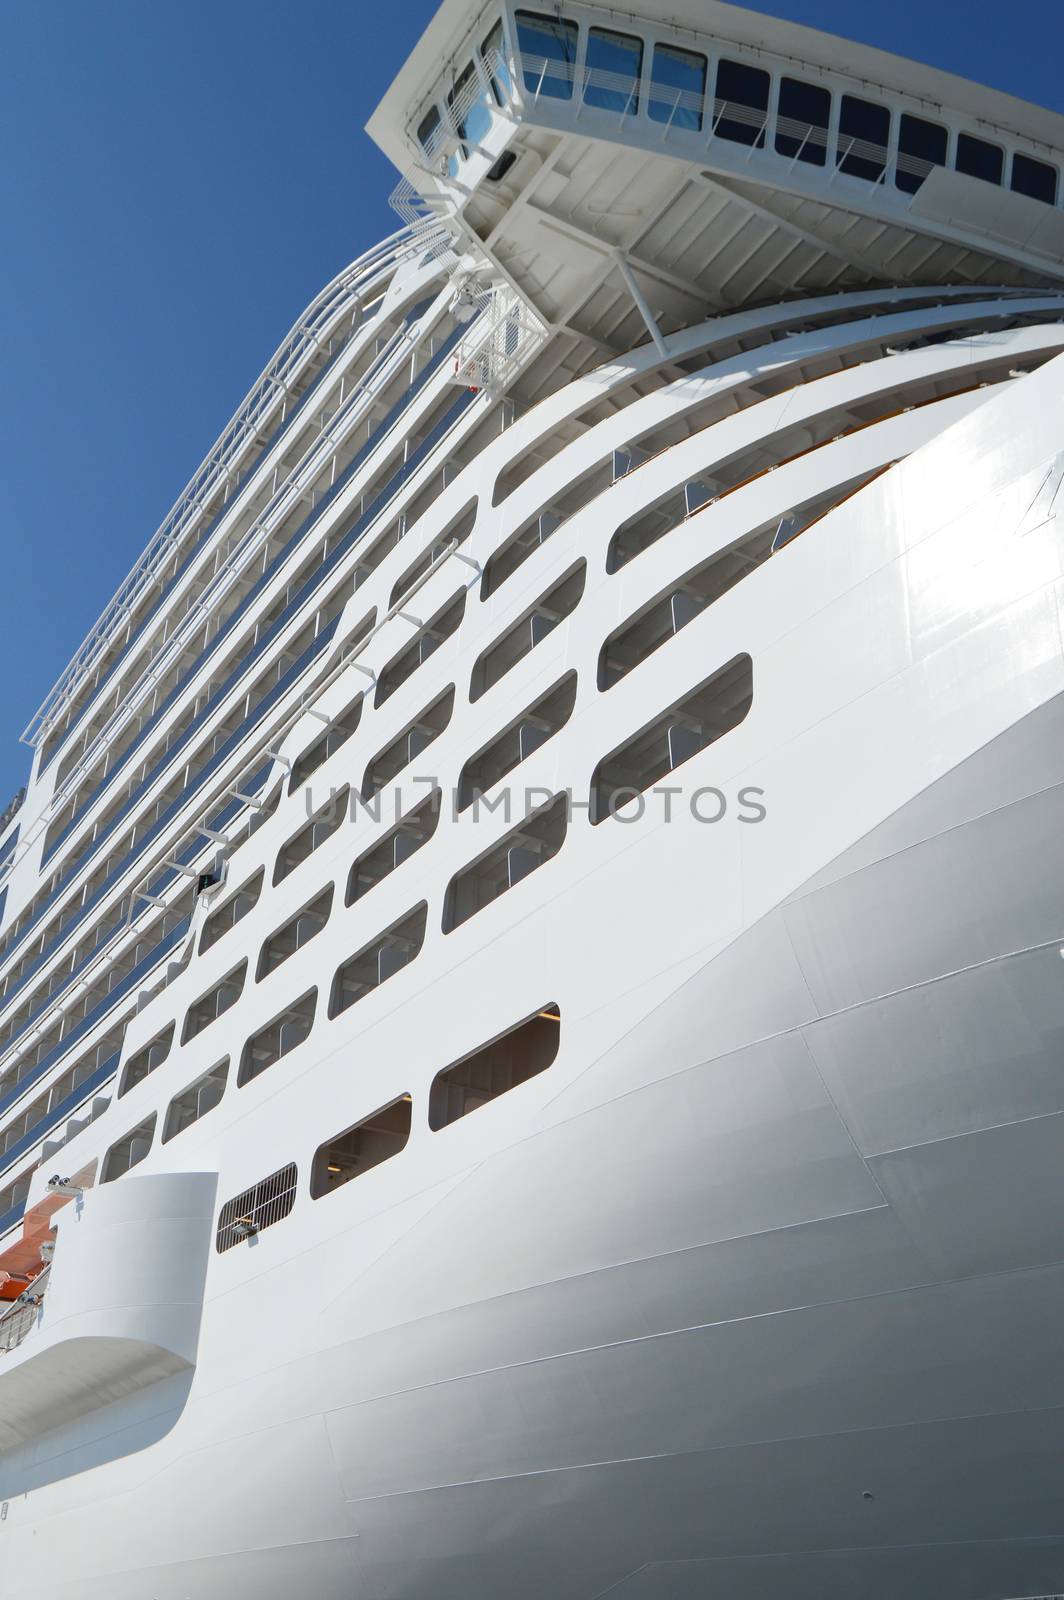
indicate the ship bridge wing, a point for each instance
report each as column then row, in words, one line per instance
column 623, row 173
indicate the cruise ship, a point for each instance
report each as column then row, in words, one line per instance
column 531, row 984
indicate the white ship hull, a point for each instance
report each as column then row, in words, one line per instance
column 760, row 1286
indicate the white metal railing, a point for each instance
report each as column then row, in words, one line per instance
column 22, row 1314
column 499, row 343
column 340, row 297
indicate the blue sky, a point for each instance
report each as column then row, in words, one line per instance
column 178, row 181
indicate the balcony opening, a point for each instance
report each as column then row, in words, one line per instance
column 523, row 851
column 508, row 1061
column 359, row 1149
column 195, row 1101
column 231, row 911
column 335, row 735
column 517, row 742
column 215, row 1003
column 312, row 835
column 397, row 846
column 405, row 749
column 145, row 1061
column 378, row 961
column 424, row 644
column 523, row 637
column 127, row 1153
column 286, row 1031
column 686, row 728
column 295, row 933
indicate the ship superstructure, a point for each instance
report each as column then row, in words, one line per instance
column 607, row 679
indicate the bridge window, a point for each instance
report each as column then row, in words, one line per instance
column 677, row 87
column 802, row 121
column 378, row 961
column 689, row 726
column 493, row 55
column 146, row 1060
column 526, row 848
column 921, row 146
column 495, row 1068
column 613, row 67
column 130, row 1151
column 979, row 159
column 428, row 131
column 361, row 1148
column 548, row 54
column 1034, row 178
column 247, row 1214
column 742, row 103
column 864, row 138
column 195, row 1102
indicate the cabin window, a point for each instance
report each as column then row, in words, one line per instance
column 397, row 846
column 231, row 911
column 686, row 728
column 405, row 749
column 470, row 114
column 248, row 1214
column 613, row 66
column 921, row 146
column 378, row 961
column 312, row 835
column 130, row 1151
column 517, row 742
column 287, row 1030
column 523, row 637
column 195, row 1101
column 424, row 644
column 864, row 138
column 548, row 54
column 496, row 1068
column 215, row 1003
column 802, row 121
column 147, row 1058
column 979, row 159
column 742, row 103
column 1036, row 179
column 524, row 849
column 359, row 1149
column 677, row 87
column 295, row 933
column 335, row 735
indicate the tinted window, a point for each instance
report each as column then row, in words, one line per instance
column 678, row 87
column 492, row 53
column 864, row 134
column 548, row 51
column 1034, row 178
column 614, row 62
column 742, row 103
column 804, row 114
column 979, row 159
column 921, row 146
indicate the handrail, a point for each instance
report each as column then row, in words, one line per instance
column 336, row 298
column 22, row 1314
